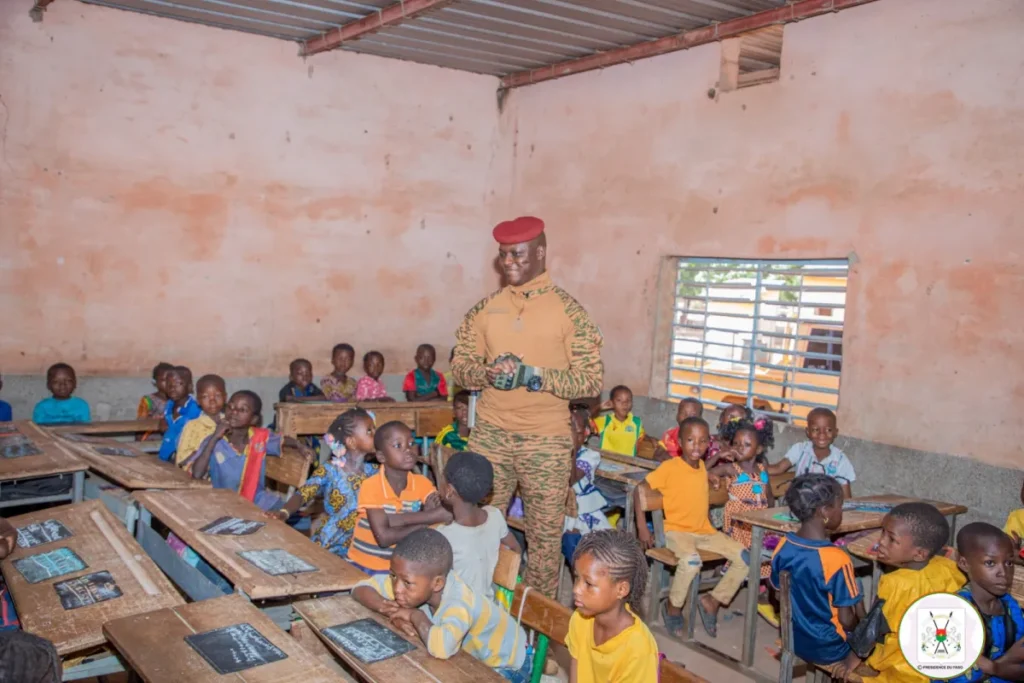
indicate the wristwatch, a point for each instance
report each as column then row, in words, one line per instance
column 535, row 383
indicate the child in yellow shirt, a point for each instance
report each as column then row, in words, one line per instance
column 212, row 395
column 1015, row 522
column 607, row 640
column 913, row 535
column 620, row 431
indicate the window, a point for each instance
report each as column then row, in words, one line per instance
column 751, row 58
column 767, row 334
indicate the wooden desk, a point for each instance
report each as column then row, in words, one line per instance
column 110, row 428
column 53, row 459
column 633, row 460
column 103, row 544
column 415, row 665
column 629, row 474
column 155, row 647
column 773, row 519
column 294, row 419
column 141, row 470
column 186, row 511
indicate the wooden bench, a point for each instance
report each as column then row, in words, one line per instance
column 661, row 558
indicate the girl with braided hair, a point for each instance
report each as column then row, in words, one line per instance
column 607, row 638
column 823, row 590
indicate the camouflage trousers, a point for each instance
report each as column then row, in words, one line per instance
column 540, row 467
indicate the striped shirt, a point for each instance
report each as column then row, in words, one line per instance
column 467, row 621
column 376, row 493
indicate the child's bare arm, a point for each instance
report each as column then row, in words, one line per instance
column 389, row 529
column 572, row 671
column 643, row 534
column 510, row 542
column 780, row 467
column 372, row 600
column 660, row 454
column 848, row 617
column 201, row 465
column 847, row 491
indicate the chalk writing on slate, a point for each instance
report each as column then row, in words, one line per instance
column 49, row 565
column 87, row 590
column 232, row 526
column 277, row 562
column 235, row 648
column 853, row 505
column 7, row 428
column 368, row 640
column 17, row 446
column 110, row 450
column 51, row 530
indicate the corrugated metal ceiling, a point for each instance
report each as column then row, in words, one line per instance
column 485, row 36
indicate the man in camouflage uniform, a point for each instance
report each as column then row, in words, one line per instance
column 525, row 431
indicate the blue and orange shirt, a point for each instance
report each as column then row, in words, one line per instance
column 619, row 437
column 821, row 581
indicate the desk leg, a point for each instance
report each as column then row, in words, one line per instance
column 753, row 582
column 630, row 514
column 876, row 574
column 78, row 487
column 952, row 530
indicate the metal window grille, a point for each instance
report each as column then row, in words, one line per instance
column 765, row 334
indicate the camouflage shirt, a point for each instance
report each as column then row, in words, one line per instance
column 547, row 328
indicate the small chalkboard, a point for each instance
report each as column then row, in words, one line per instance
column 17, row 446
column 232, row 526
column 110, row 450
column 636, row 476
column 49, row 565
column 42, row 532
column 7, row 428
column 368, row 640
column 87, row 590
column 856, row 506
column 235, row 648
column 277, row 562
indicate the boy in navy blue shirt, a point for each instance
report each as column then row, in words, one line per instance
column 823, row 590
column 986, row 557
column 181, row 409
column 61, row 407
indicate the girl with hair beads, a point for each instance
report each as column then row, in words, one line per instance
column 823, row 590
column 608, row 641
column 350, row 438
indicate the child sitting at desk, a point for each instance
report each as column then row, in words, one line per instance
column 426, row 600
column 153, row 405
column 912, row 538
column 823, row 590
column 369, row 387
column 749, row 488
column 61, row 407
column 6, row 414
column 987, row 557
column 817, row 454
column 235, row 454
column 300, row 387
column 620, row 431
column 394, row 502
column 611, row 575
column 590, row 502
column 423, row 383
column 456, row 435
column 1015, row 522
column 475, row 532
column 211, row 394
column 181, row 409
column 668, row 446
column 337, row 482
column 338, row 386
column 685, row 486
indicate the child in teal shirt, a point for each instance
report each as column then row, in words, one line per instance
column 62, row 407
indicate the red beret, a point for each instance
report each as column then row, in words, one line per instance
column 522, row 229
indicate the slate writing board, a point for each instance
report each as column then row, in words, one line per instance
column 39, row 533
column 277, row 562
column 87, row 590
column 636, row 476
column 17, row 446
column 368, row 640
column 109, row 450
column 235, row 648
column 7, row 428
column 232, row 526
column 853, row 505
column 49, row 565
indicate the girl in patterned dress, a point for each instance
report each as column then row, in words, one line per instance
column 338, row 386
column 749, row 488
column 153, row 405
column 350, row 438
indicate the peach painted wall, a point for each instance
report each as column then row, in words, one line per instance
column 174, row 191
column 895, row 134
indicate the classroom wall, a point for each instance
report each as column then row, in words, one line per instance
column 176, row 192
column 893, row 137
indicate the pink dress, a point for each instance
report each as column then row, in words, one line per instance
column 370, row 389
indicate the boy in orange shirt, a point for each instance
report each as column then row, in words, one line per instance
column 394, row 502
column 685, row 484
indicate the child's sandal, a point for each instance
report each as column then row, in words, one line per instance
column 708, row 621
column 673, row 622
